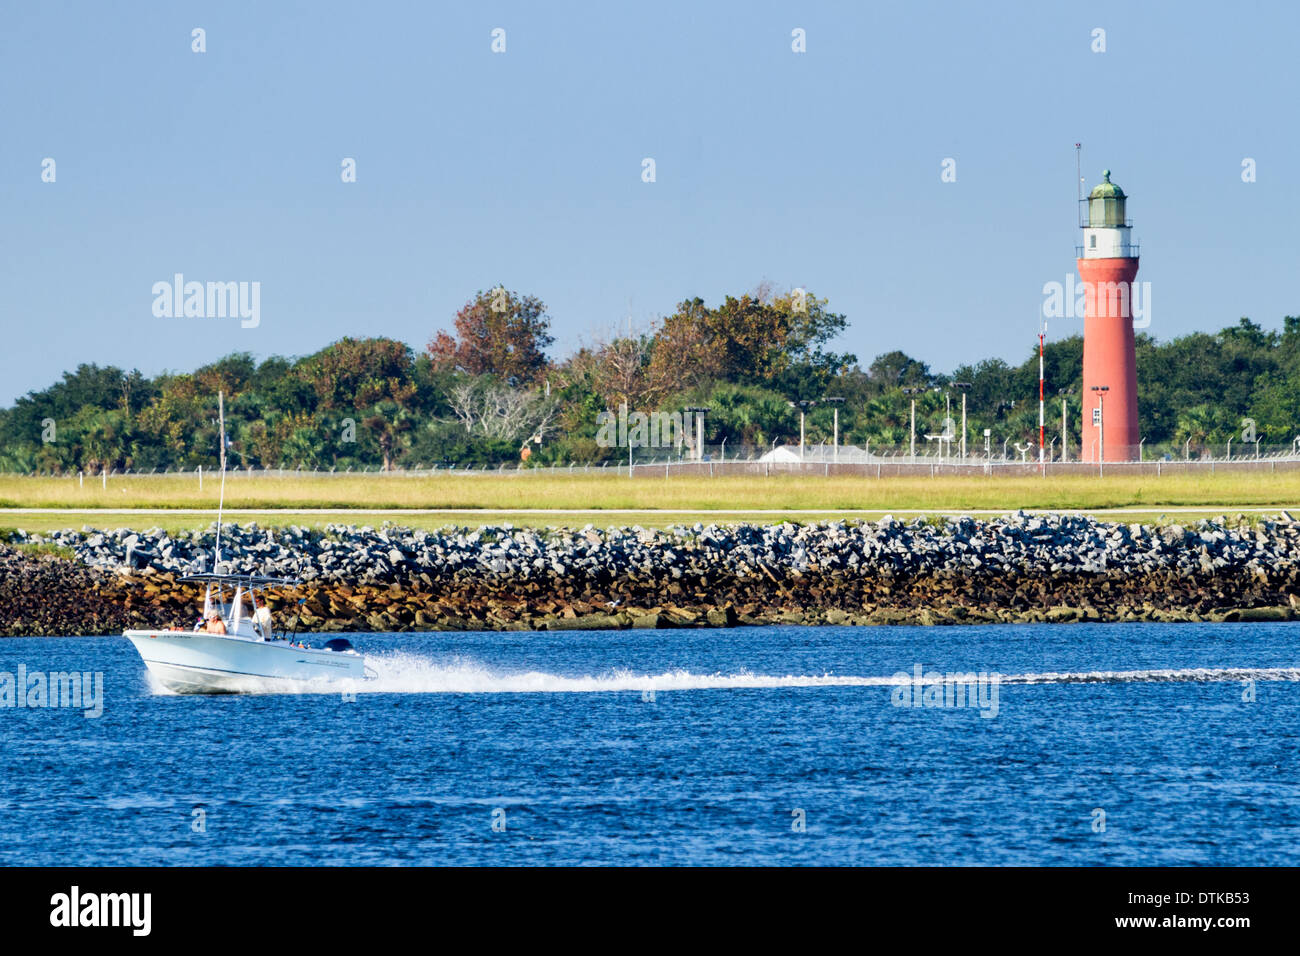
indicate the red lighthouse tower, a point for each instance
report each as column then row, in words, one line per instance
column 1108, row 263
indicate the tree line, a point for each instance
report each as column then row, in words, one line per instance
column 488, row 391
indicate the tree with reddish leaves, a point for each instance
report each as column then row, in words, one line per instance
column 498, row 333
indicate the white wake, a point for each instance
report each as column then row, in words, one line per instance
column 404, row 673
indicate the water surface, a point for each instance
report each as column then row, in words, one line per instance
column 680, row 747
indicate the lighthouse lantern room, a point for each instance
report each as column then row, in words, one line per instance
column 1106, row 230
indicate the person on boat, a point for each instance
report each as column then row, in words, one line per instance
column 215, row 624
column 262, row 619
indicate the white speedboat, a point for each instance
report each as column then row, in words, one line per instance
column 233, row 649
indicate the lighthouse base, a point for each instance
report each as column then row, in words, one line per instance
column 1110, row 412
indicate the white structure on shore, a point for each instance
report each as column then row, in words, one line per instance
column 816, row 454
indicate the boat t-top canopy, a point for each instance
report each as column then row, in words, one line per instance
column 244, row 580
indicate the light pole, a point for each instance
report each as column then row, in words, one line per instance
column 947, row 421
column 698, row 411
column 988, row 450
column 1065, row 447
column 1101, row 391
column 946, row 431
column 803, row 405
column 965, row 387
column 1042, row 431
column 837, row 401
column 911, row 448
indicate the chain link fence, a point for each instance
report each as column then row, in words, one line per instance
column 943, row 458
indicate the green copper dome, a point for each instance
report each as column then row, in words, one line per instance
column 1106, row 204
column 1106, row 189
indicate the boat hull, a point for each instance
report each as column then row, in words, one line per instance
column 198, row 663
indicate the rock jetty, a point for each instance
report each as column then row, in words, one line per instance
column 1016, row 568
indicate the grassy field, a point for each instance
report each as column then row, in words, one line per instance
column 436, row 501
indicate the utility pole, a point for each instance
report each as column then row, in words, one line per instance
column 698, row 411
column 837, row 401
column 947, row 420
column 623, row 412
column 1101, row 433
column 963, row 426
column 911, row 448
column 1042, row 432
column 803, row 405
column 1101, row 391
column 965, row 387
column 1065, row 454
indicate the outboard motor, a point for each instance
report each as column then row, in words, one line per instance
column 339, row 644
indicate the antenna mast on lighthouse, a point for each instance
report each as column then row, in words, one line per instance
column 1078, row 180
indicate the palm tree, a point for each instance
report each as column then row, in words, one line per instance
column 389, row 421
column 1195, row 424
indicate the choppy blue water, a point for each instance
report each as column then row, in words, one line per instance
column 748, row 733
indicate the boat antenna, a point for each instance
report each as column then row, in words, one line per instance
column 297, row 618
column 221, row 501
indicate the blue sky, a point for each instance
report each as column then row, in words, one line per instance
column 819, row 169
